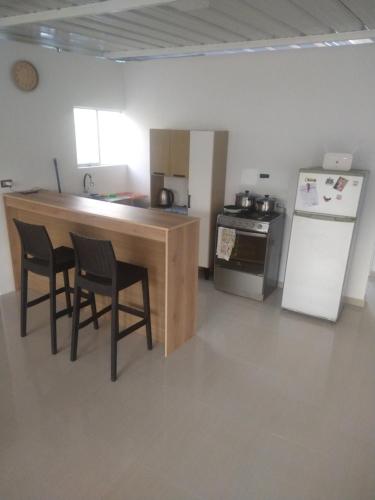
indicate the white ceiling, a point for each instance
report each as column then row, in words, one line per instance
column 130, row 29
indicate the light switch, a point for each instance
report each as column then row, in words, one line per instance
column 6, row 183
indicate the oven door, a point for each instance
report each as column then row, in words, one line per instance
column 248, row 254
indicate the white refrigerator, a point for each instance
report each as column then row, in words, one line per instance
column 326, row 211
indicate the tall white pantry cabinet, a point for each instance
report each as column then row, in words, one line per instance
column 204, row 154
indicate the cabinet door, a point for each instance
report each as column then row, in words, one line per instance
column 159, row 151
column 179, row 152
column 200, row 189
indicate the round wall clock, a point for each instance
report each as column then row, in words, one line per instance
column 25, row 76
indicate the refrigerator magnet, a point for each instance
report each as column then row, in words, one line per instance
column 327, row 198
column 340, row 184
column 330, row 181
column 339, row 197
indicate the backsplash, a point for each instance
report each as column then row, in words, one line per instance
column 179, row 186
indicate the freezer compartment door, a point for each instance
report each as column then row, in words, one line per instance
column 316, row 267
column 329, row 194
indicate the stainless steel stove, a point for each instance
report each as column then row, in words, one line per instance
column 252, row 269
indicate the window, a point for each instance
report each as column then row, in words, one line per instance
column 100, row 137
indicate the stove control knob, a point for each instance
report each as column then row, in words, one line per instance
column 259, row 226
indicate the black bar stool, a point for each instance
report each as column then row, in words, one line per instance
column 38, row 256
column 98, row 271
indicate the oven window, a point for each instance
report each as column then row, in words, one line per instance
column 248, row 254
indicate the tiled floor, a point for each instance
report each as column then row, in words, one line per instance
column 262, row 404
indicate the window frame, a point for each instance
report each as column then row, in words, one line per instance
column 95, row 165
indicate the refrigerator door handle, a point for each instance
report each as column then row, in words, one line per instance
column 312, row 215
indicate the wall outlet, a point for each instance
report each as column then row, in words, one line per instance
column 6, row 183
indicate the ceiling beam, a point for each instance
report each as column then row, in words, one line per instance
column 233, row 46
column 89, row 9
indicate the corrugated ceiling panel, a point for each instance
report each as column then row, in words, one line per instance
column 93, row 28
column 253, row 16
column 291, row 15
column 364, row 9
column 189, row 23
column 22, row 7
column 229, row 23
column 133, row 27
column 332, row 14
column 165, row 27
column 6, row 11
column 78, row 26
column 69, row 43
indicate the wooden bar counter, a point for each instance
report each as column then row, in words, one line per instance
column 167, row 244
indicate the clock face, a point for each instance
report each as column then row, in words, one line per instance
column 25, row 75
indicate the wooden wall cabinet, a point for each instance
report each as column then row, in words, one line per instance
column 179, row 152
column 201, row 157
column 169, row 152
column 159, row 151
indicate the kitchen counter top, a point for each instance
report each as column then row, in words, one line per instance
column 166, row 244
column 131, row 220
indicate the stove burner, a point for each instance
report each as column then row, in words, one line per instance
column 233, row 210
column 245, row 213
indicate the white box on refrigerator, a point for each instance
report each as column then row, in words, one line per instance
column 337, row 161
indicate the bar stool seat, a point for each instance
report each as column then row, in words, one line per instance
column 98, row 271
column 63, row 260
column 127, row 275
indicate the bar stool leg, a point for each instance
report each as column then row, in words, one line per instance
column 93, row 309
column 67, row 292
column 24, row 284
column 52, row 311
column 146, row 307
column 114, row 336
column 75, row 323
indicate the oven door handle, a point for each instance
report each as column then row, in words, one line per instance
column 251, row 233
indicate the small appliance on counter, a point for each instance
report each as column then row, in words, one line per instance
column 248, row 249
column 165, row 198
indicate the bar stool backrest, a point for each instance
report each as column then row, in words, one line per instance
column 94, row 256
column 35, row 240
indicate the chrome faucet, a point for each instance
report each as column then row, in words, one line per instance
column 86, row 189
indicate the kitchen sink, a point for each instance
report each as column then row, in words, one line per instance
column 126, row 198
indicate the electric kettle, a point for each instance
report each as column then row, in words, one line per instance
column 165, row 198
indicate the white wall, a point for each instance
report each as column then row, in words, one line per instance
column 283, row 111
column 372, row 268
column 38, row 126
